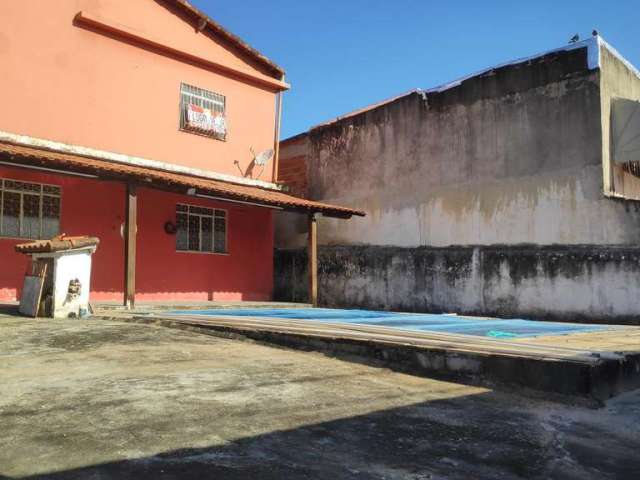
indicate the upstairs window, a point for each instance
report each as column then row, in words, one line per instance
column 201, row 229
column 29, row 210
column 202, row 112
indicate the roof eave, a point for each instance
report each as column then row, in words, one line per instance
column 277, row 71
column 67, row 164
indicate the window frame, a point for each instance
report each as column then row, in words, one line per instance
column 182, row 123
column 40, row 195
column 213, row 227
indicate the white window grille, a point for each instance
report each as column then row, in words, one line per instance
column 201, row 229
column 202, row 112
column 29, row 210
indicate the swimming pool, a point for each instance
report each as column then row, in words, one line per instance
column 482, row 327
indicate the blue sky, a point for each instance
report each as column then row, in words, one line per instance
column 343, row 55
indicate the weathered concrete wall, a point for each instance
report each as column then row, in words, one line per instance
column 514, row 156
column 455, row 182
column 577, row 283
column 290, row 275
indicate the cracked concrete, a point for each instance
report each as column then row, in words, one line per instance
column 104, row 399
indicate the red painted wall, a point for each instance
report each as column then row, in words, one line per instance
column 93, row 207
column 245, row 273
column 88, row 207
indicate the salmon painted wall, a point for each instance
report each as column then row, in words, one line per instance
column 68, row 84
column 94, row 207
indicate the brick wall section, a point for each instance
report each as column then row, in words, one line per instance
column 293, row 173
column 292, row 165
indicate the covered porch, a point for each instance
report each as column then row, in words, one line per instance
column 133, row 207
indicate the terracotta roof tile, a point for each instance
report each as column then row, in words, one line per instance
column 57, row 244
column 168, row 180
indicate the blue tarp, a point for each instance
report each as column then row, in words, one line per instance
column 490, row 327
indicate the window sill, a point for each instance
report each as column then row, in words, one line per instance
column 224, row 254
column 202, row 134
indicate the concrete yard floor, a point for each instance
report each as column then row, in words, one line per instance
column 104, row 399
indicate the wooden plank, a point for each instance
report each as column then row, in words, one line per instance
column 442, row 341
column 32, row 289
column 130, row 230
column 312, row 253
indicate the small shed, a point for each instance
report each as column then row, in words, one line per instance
column 57, row 283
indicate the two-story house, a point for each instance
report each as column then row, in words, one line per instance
column 148, row 125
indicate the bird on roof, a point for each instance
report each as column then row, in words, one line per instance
column 575, row 38
column 595, row 33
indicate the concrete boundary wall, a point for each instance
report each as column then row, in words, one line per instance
column 586, row 283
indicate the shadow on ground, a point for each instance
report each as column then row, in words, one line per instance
column 8, row 309
column 459, row 438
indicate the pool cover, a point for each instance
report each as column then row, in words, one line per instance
column 483, row 327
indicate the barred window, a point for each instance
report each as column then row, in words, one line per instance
column 29, row 210
column 201, row 229
column 202, row 112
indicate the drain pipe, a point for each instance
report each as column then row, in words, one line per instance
column 276, row 136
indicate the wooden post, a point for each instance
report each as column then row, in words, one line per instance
column 312, row 253
column 130, row 230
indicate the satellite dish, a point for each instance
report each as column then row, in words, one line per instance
column 263, row 157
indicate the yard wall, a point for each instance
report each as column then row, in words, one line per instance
column 577, row 283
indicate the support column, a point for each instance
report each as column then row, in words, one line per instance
column 312, row 254
column 130, row 230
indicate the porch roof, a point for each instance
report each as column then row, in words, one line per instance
column 154, row 178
